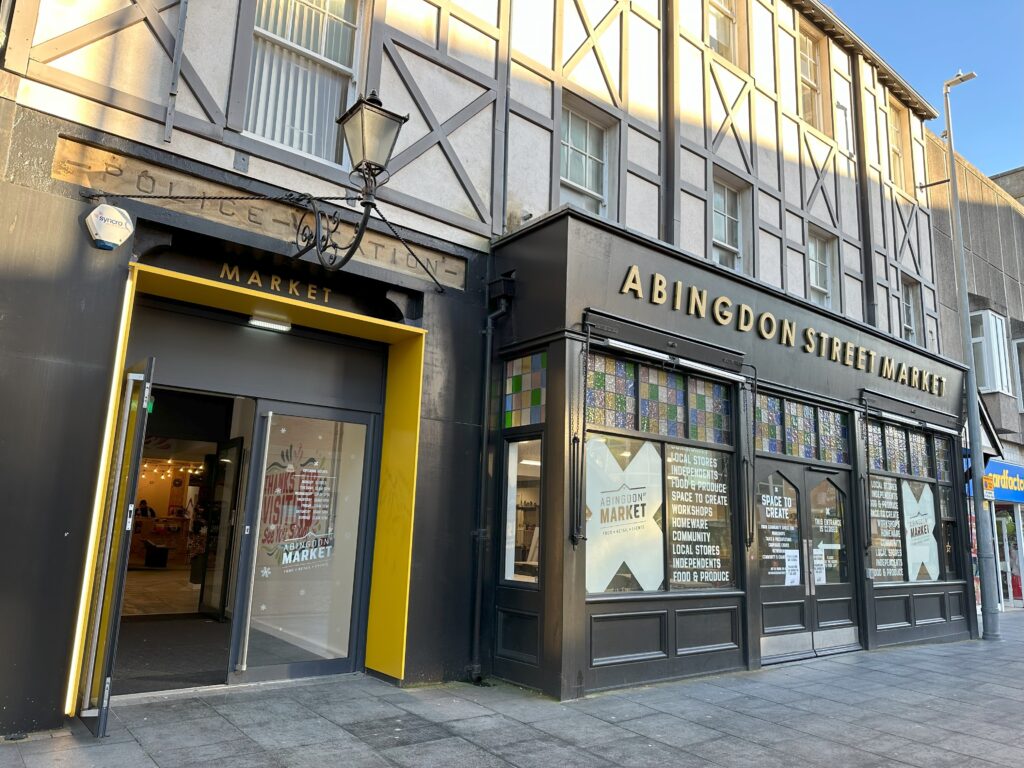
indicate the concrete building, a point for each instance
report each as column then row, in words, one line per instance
column 663, row 387
column 1012, row 182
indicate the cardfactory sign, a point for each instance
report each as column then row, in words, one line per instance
column 721, row 310
column 116, row 174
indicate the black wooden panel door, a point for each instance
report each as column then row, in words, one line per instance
column 807, row 593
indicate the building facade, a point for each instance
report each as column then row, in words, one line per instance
column 659, row 388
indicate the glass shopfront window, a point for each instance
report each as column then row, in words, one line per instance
column 522, row 512
column 659, row 503
column 908, row 494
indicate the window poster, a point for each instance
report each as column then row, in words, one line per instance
column 699, row 517
column 922, row 546
column 778, row 530
column 885, row 562
column 625, row 550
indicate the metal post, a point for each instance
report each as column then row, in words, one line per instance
column 986, row 551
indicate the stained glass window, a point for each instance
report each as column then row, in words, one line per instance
column 768, row 415
column 943, row 466
column 834, row 435
column 801, row 434
column 919, row 463
column 876, row 454
column 896, row 450
column 526, row 390
column 611, row 392
column 662, row 402
column 710, row 411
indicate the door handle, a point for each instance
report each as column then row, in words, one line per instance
column 811, row 586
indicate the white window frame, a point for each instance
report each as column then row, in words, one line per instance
column 719, row 246
column 724, row 9
column 353, row 73
column 805, row 33
column 994, row 375
column 821, row 250
column 606, row 202
column 1018, row 350
column 910, row 310
column 897, row 158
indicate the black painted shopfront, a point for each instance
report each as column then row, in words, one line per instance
column 698, row 473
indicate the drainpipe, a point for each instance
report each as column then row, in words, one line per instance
column 480, row 530
column 859, row 128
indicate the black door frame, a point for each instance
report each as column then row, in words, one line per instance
column 248, row 532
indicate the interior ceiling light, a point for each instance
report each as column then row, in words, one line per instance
column 530, row 462
column 270, row 324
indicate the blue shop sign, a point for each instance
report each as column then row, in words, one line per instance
column 1007, row 480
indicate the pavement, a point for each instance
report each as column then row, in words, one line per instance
column 957, row 704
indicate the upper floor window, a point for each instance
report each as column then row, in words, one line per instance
column 810, row 79
column 821, row 266
column 1018, row 349
column 722, row 26
column 302, row 72
column 991, row 356
column 726, row 244
column 897, row 156
column 911, row 309
column 584, row 166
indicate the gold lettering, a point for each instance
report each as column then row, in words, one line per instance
column 926, row 381
column 848, row 348
column 720, row 310
column 698, row 306
column 861, row 355
column 788, row 335
column 275, row 283
column 888, row 368
column 254, row 279
column 915, row 377
column 677, row 295
column 766, row 325
column 311, row 292
column 658, row 284
column 834, row 353
column 327, row 294
column 901, row 376
column 871, row 360
column 809, row 338
column 230, row 273
column 745, row 318
column 823, row 337
column 293, row 287
column 941, row 381
column 632, row 282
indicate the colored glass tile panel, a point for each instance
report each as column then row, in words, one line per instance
column 768, row 434
column 943, row 463
column 834, row 436
column 896, row 458
column 526, row 390
column 662, row 402
column 919, row 459
column 611, row 392
column 710, row 411
column 876, row 453
column 801, row 430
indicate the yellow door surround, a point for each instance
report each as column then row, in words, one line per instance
column 387, row 623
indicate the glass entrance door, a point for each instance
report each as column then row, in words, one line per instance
column 807, row 594
column 304, row 581
column 112, row 556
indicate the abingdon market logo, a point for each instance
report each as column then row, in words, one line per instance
column 297, row 524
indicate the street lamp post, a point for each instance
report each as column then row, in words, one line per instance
column 982, row 521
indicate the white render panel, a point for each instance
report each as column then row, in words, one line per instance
column 472, row 47
column 529, row 168
column 692, row 168
column 530, row 89
column 769, row 259
column 766, row 140
column 641, row 205
column 430, row 177
column 768, row 210
column 473, row 143
column 851, row 257
column 643, row 150
column 644, row 67
column 691, row 227
column 854, row 306
column 787, row 70
column 848, row 196
column 417, row 18
column 691, row 94
column 763, row 44
column 794, row 228
column 791, row 160
column 210, row 23
column 795, row 272
column 691, row 18
column 532, row 29
column 483, row 9
column 400, row 101
column 57, row 17
column 445, row 91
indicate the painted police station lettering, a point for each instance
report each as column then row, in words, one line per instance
column 270, row 282
column 722, row 310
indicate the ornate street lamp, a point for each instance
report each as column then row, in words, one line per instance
column 371, row 133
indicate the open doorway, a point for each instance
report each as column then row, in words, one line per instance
column 175, row 623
